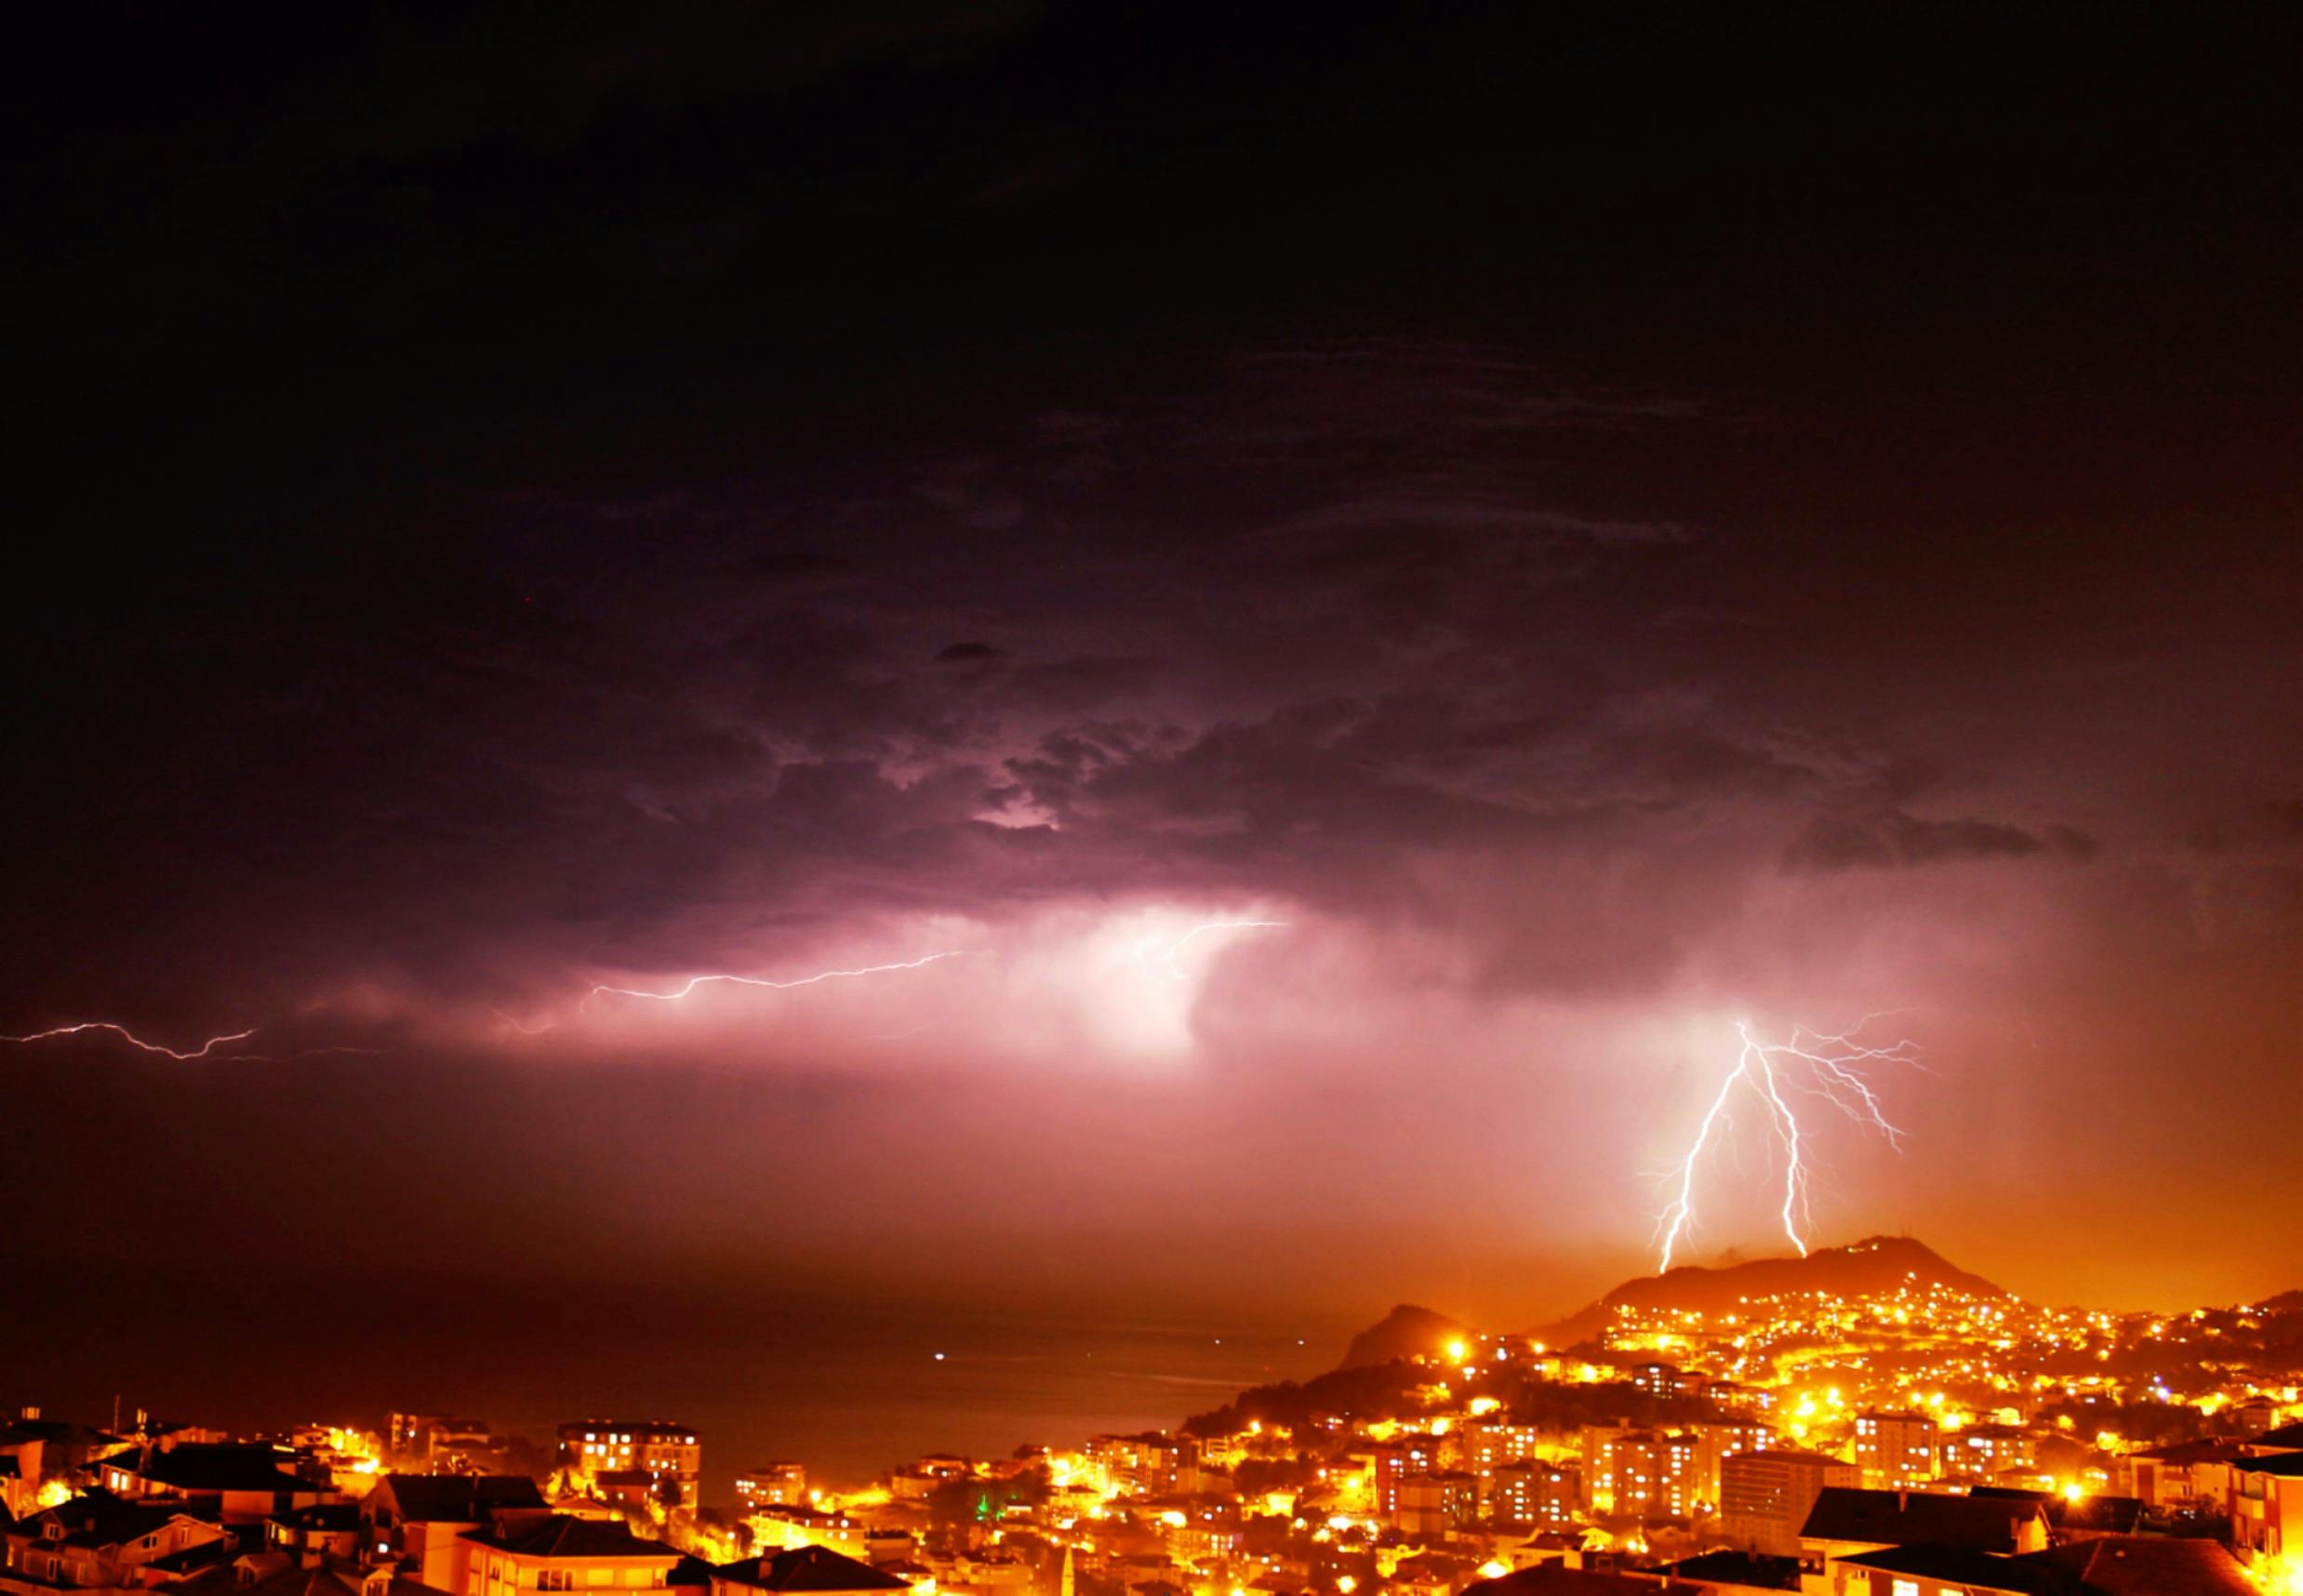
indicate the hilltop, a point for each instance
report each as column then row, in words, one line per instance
column 1876, row 1264
column 1405, row 1332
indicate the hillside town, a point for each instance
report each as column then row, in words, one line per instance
column 1867, row 1422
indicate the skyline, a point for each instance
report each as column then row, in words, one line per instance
column 878, row 1383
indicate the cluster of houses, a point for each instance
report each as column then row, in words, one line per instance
column 166, row 1509
column 1457, row 1504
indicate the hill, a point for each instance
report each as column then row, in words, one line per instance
column 1874, row 1264
column 1405, row 1332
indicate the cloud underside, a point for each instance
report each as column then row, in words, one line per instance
column 1341, row 630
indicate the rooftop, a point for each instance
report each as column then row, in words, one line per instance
column 557, row 1535
column 2151, row 1565
column 1912, row 1518
column 809, row 1568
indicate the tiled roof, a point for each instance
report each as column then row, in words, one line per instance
column 1911, row 1518
column 459, row 1499
column 1551, row 1579
column 2151, row 1565
column 1976, row 1570
column 557, row 1535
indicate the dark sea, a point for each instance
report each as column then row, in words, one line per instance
column 848, row 1388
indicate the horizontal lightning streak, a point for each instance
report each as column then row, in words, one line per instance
column 206, row 1050
column 674, row 995
column 1176, row 970
column 694, row 981
column 124, row 1035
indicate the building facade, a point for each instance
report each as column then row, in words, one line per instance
column 1767, row 1494
column 1895, row 1449
column 663, row 1449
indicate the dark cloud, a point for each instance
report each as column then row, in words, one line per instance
column 550, row 498
column 1896, row 839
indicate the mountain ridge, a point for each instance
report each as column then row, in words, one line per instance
column 1870, row 1265
column 1407, row 1331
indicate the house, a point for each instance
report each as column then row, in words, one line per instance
column 417, row 1519
column 34, row 1451
column 1850, row 1522
column 279, row 1574
column 330, row 1529
column 2266, row 1507
column 554, row 1552
column 1553, row 1579
column 1924, row 1570
column 789, row 1528
column 2152, row 1565
column 2184, row 1474
column 443, row 1445
column 2286, row 1437
column 99, row 1541
column 1426, row 1575
column 623, row 1488
column 664, row 1449
column 1732, row 1572
column 811, row 1569
column 2072, row 1518
column 248, row 1484
column 1549, row 1547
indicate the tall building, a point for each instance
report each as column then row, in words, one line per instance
column 666, row 1451
column 1765, row 1496
column 1395, row 1461
column 1639, row 1474
column 1717, row 1442
column 1541, row 1496
column 1984, row 1451
column 772, row 1485
column 1431, row 1504
column 1895, row 1449
column 1488, row 1446
column 1155, row 1463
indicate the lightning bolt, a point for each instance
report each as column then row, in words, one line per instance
column 1175, row 970
column 1830, row 1065
column 206, row 1050
column 1146, row 950
column 684, row 988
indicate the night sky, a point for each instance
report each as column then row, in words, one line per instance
column 1596, row 524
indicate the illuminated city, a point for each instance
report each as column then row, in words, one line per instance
column 1809, row 1424
column 1082, row 798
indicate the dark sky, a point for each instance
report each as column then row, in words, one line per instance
column 1596, row 524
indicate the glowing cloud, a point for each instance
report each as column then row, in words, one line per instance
column 1149, row 946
